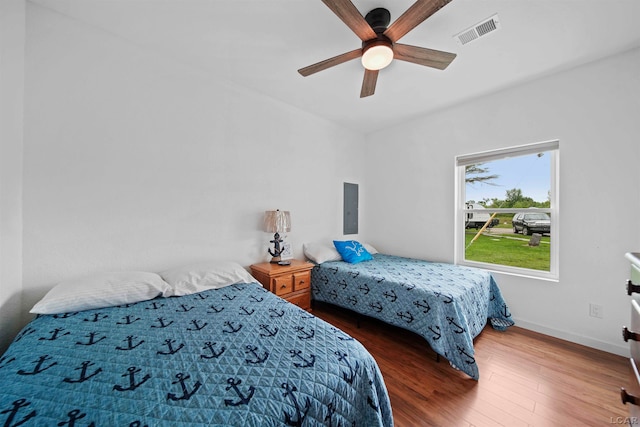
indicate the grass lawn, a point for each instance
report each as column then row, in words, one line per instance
column 508, row 249
column 505, row 220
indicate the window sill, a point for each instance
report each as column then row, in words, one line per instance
column 513, row 271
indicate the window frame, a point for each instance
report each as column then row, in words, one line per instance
column 461, row 161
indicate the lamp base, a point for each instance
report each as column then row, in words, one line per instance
column 277, row 250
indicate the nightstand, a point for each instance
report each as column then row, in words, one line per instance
column 291, row 282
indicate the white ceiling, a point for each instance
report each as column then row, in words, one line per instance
column 260, row 45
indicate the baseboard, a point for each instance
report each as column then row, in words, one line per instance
column 619, row 349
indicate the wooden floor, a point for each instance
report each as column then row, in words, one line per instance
column 526, row 378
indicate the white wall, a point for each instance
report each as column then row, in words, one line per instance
column 593, row 111
column 12, row 25
column 135, row 161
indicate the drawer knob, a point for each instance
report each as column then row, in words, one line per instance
column 631, row 287
column 629, row 335
column 628, row 398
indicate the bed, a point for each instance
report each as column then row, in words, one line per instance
column 236, row 356
column 446, row 304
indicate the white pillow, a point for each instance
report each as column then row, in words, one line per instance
column 370, row 248
column 320, row 252
column 199, row 277
column 101, row 290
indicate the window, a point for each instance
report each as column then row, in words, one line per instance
column 507, row 214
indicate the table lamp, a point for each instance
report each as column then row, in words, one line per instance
column 276, row 222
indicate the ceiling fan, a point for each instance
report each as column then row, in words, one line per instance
column 380, row 41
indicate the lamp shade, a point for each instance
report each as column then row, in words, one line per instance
column 277, row 221
column 377, row 55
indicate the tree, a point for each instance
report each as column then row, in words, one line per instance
column 514, row 196
column 515, row 199
column 476, row 173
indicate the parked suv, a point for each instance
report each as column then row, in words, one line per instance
column 531, row 222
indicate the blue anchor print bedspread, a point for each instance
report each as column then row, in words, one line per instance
column 446, row 304
column 236, row 356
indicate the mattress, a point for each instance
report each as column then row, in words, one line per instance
column 236, row 356
column 446, row 304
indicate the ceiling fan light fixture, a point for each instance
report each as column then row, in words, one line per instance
column 380, row 40
column 377, row 55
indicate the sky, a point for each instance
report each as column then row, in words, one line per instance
column 531, row 174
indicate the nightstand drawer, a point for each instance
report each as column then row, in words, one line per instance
column 301, row 280
column 282, row 285
column 291, row 282
column 303, row 301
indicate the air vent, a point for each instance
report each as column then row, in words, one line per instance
column 480, row 29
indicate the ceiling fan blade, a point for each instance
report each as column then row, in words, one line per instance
column 331, row 62
column 418, row 12
column 423, row 56
column 350, row 15
column 369, row 83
